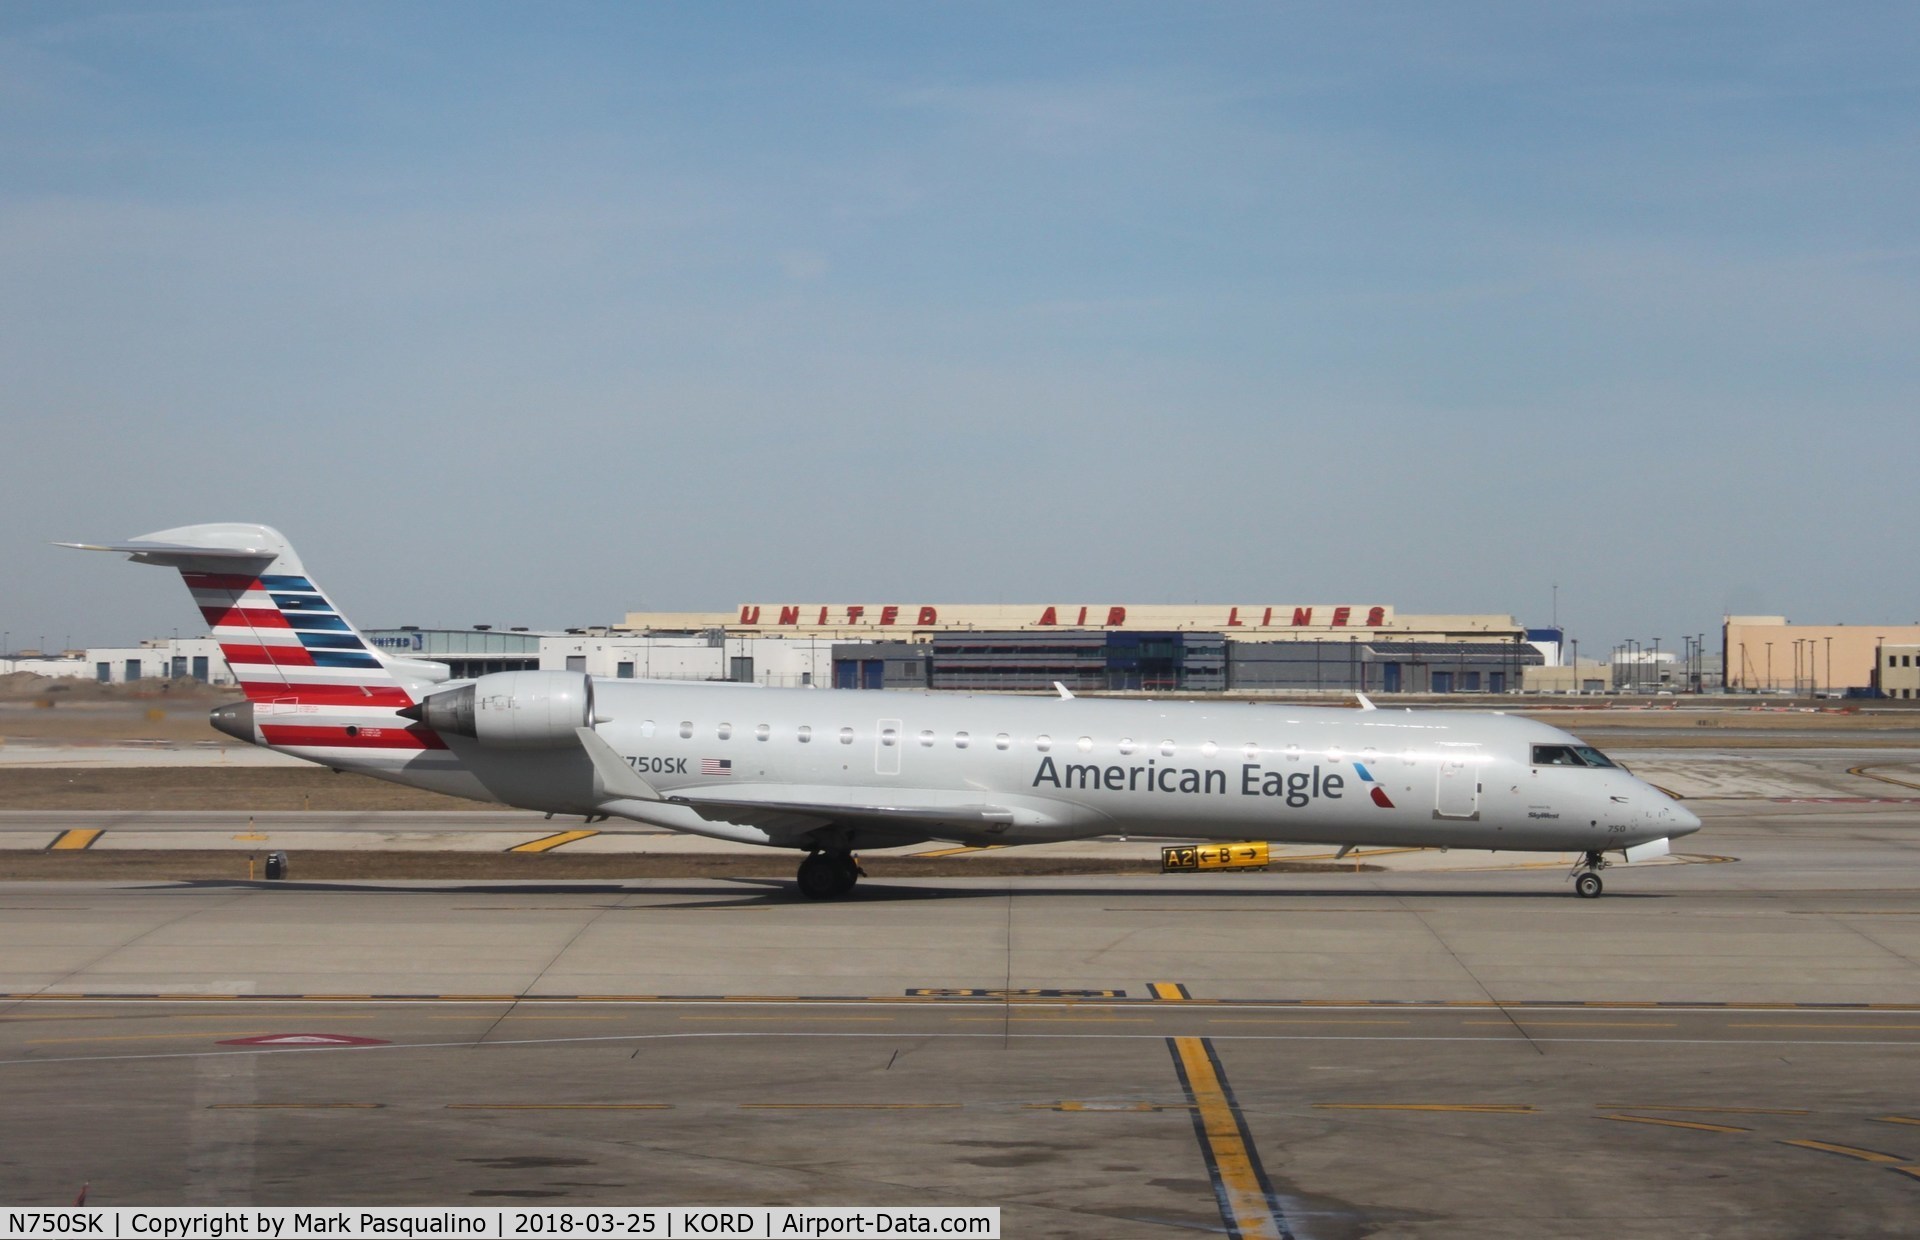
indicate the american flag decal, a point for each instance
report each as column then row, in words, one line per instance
column 716, row 766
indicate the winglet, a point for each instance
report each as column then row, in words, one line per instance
column 613, row 779
column 1366, row 703
column 1064, row 691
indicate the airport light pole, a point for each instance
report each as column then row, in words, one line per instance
column 1769, row 665
column 1657, row 681
column 1829, row 663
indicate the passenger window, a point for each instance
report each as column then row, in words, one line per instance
column 1002, row 741
column 887, row 737
column 961, row 740
column 1293, row 753
column 726, row 731
column 1126, row 746
column 1166, row 749
column 761, row 732
column 1043, row 743
column 1084, row 744
column 926, row 739
column 646, row 728
column 1208, row 749
column 805, row 733
column 846, row 736
column 686, row 729
column 1251, row 749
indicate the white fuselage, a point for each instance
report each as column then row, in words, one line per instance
column 1066, row 768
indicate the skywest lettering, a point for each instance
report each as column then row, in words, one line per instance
column 1296, row 788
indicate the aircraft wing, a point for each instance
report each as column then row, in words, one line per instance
column 791, row 815
column 795, row 810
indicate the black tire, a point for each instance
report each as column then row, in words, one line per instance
column 820, row 879
column 1588, row 886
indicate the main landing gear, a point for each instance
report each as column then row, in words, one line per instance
column 1586, row 875
column 829, row 875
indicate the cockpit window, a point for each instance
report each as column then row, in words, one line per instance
column 1569, row 755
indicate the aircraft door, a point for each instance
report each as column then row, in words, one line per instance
column 1457, row 794
column 887, row 737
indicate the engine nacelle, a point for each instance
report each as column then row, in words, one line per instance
column 514, row 710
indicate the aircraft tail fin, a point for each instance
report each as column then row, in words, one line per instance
column 285, row 641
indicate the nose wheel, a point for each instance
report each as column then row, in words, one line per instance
column 828, row 875
column 1586, row 876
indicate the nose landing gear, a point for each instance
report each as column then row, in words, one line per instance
column 829, row 875
column 1586, row 875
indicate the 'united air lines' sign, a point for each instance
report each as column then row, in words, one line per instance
column 897, row 615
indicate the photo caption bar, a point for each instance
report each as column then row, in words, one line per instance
column 500, row 1222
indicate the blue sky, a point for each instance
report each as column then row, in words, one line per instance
column 535, row 314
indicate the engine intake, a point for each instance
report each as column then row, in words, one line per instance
column 513, row 710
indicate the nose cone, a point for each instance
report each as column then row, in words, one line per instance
column 1685, row 821
column 236, row 720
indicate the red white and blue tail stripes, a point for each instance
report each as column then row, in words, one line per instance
column 315, row 680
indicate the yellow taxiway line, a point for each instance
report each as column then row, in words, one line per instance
column 1246, row 1199
column 547, row 843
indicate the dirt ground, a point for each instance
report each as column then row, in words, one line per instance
column 263, row 789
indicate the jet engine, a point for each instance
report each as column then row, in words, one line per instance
column 513, row 710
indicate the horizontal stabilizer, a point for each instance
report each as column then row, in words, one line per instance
column 172, row 555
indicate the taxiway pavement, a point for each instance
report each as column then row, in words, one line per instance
column 1727, row 1049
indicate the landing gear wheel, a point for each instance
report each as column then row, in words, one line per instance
column 828, row 876
column 1586, row 875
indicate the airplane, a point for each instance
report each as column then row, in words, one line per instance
column 829, row 772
